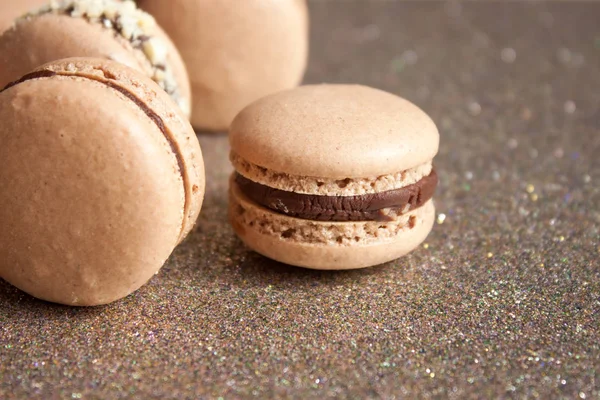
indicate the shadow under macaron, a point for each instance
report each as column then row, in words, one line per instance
column 206, row 132
column 23, row 303
column 262, row 271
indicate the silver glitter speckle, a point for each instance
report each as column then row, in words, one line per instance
column 564, row 55
column 441, row 218
column 559, row 152
column 533, row 153
column 570, row 107
column 410, row 57
column 508, row 55
column 474, row 108
column 407, row 58
column 370, row 33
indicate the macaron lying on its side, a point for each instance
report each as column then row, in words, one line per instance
column 333, row 176
column 102, row 176
column 236, row 51
column 110, row 29
column 11, row 9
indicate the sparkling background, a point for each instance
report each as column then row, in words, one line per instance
column 502, row 300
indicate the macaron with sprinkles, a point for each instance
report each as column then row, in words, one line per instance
column 333, row 177
column 102, row 178
column 111, row 29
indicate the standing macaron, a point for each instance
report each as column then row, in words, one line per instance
column 102, row 176
column 11, row 9
column 110, row 29
column 333, row 176
column 236, row 51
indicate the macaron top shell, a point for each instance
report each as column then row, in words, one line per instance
column 96, row 190
column 11, row 9
column 57, row 32
column 236, row 51
column 179, row 133
column 334, row 131
column 49, row 37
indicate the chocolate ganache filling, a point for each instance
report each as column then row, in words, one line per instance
column 384, row 206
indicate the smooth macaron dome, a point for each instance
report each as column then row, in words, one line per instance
column 103, row 177
column 333, row 176
column 11, row 9
column 236, row 51
column 111, row 29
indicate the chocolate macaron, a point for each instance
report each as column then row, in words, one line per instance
column 102, row 176
column 12, row 9
column 333, row 176
column 236, row 51
column 111, row 29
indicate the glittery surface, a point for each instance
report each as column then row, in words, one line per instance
column 502, row 300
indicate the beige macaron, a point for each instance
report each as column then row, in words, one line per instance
column 110, row 29
column 236, row 51
column 12, row 9
column 102, row 177
column 333, row 176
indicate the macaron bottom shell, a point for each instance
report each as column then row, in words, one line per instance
column 326, row 245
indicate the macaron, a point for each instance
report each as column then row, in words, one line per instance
column 110, row 29
column 102, row 176
column 333, row 177
column 236, row 51
column 12, row 9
